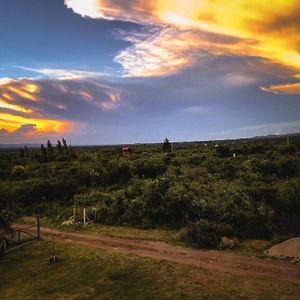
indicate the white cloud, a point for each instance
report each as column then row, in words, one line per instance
column 238, row 80
column 197, row 110
column 264, row 129
column 85, row 8
column 64, row 74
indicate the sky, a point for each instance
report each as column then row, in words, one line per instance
column 134, row 71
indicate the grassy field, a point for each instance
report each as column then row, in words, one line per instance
column 84, row 273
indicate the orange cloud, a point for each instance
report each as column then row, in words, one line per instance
column 109, row 101
column 12, row 92
column 4, row 104
column 292, row 88
column 20, row 92
column 11, row 123
column 31, row 88
column 7, row 97
column 269, row 29
column 10, row 88
column 32, row 109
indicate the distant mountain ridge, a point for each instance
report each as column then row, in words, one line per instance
column 276, row 136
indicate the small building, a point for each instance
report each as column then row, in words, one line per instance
column 126, row 151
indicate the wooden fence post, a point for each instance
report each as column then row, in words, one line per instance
column 84, row 217
column 74, row 216
column 19, row 237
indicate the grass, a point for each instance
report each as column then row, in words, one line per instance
column 254, row 248
column 168, row 236
column 84, row 273
column 246, row 247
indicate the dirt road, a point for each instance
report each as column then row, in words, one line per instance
column 208, row 259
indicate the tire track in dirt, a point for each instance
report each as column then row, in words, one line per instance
column 207, row 259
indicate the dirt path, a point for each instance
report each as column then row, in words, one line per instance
column 208, row 259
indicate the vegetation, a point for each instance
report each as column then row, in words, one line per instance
column 5, row 228
column 249, row 189
column 84, row 273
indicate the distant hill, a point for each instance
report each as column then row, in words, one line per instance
column 277, row 136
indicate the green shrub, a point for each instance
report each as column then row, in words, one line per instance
column 205, row 234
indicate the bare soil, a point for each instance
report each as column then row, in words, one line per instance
column 208, row 259
column 289, row 248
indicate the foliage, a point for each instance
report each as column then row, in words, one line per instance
column 206, row 234
column 256, row 192
column 5, row 226
column 166, row 147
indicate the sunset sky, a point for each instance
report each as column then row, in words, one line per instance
column 129, row 71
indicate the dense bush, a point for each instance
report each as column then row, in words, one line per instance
column 255, row 194
column 205, row 234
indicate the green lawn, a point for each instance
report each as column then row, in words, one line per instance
column 84, row 273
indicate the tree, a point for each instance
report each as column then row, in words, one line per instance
column 5, row 228
column 223, row 151
column 26, row 151
column 43, row 153
column 5, row 218
column 59, row 146
column 166, row 147
column 65, row 146
column 50, row 150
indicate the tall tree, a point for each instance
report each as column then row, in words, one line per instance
column 59, row 146
column 66, row 149
column 43, row 153
column 166, row 147
column 50, row 150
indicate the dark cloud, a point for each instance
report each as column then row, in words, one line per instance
column 217, row 91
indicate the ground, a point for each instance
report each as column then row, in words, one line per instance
column 289, row 248
column 94, row 266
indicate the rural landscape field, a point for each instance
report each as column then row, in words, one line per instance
column 178, row 197
column 149, row 149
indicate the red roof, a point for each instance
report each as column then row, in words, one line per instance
column 126, row 148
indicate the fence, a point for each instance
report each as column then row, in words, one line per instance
column 19, row 238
